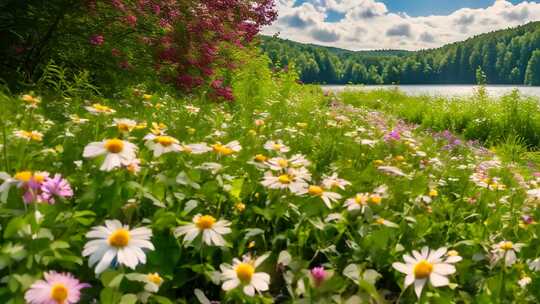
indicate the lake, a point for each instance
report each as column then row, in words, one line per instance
column 440, row 90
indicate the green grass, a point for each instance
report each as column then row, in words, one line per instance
column 490, row 120
column 435, row 197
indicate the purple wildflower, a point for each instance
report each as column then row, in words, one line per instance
column 393, row 135
column 55, row 187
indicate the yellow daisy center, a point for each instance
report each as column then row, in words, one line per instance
column 452, row 253
column 260, row 158
column 101, row 108
column 205, row 222
column 360, row 199
column 433, row 193
column 244, row 272
column 284, row 179
column 154, row 278
column 114, row 145
column 277, row 147
column 120, row 238
column 283, row 163
column 315, row 190
column 376, row 199
column 422, row 269
column 124, row 127
column 39, row 178
column 164, row 140
column 36, row 136
column 23, row 176
column 380, row 221
column 59, row 293
column 507, row 245
column 221, row 149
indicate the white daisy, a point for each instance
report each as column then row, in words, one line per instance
column 97, row 109
column 162, row 144
column 114, row 242
column 124, row 124
column 425, row 265
column 295, row 180
column 276, row 146
column 358, row 202
column 392, row 170
column 152, row 281
column 228, row 149
column 206, row 225
column 333, row 181
column 277, row 163
column 505, row 250
column 328, row 197
column 198, row 148
column 29, row 135
column 299, row 160
column 117, row 152
column 243, row 273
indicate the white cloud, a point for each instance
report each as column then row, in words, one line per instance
column 367, row 24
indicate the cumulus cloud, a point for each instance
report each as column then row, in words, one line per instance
column 367, row 24
column 516, row 14
column 464, row 20
column 427, row 37
column 325, row 34
column 403, row 29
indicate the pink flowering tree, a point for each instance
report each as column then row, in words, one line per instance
column 190, row 44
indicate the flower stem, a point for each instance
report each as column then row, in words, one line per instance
column 5, row 146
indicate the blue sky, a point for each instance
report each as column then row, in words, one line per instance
column 435, row 7
column 396, row 24
column 425, row 7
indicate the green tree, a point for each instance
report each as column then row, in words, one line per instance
column 532, row 75
column 481, row 78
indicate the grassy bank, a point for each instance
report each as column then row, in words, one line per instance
column 512, row 118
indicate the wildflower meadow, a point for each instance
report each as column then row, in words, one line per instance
column 250, row 187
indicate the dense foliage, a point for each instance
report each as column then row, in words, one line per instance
column 285, row 196
column 505, row 56
column 188, row 43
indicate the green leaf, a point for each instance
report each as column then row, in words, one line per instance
column 128, row 299
column 236, row 188
column 14, row 226
column 108, row 276
column 110, row 296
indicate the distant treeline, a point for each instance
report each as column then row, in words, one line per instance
column 510, row 56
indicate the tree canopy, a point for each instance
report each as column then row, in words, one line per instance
column 505, row 56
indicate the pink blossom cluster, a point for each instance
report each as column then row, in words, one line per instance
column 47, row 190
column 190, row 40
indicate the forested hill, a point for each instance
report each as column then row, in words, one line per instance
column 510, row 56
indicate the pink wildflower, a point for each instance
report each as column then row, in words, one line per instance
column 55, row 187
column 56, row 288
